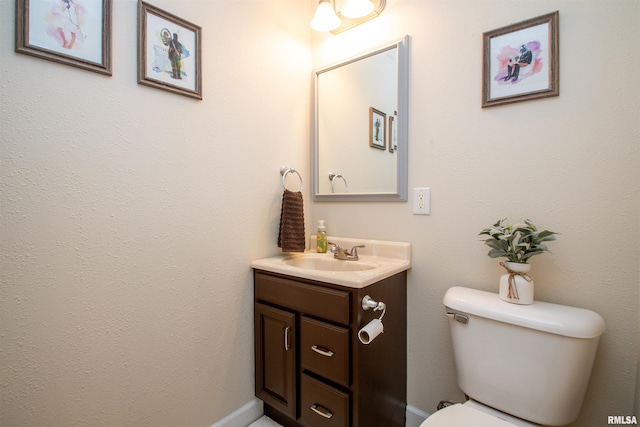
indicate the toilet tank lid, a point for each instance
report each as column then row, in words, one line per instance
column 553, row 318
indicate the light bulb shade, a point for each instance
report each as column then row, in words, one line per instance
column 325, row 18
column 357, row 8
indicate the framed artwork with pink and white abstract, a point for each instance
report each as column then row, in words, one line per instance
column 71, row 32
column 520, row 61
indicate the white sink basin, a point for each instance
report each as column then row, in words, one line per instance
column 315, row 261
column 378, row 260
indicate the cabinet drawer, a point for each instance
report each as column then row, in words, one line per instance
column 324, row 350
column 327, row 303
column 323, row 405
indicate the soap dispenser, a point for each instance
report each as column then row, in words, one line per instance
column 321, row 237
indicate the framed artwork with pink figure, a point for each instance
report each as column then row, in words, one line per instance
column 71, row 32
column 520, row 61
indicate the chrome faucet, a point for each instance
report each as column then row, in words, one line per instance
column 343, row 254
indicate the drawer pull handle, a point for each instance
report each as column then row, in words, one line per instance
column 286, row 338
column 322, row 351
column 323, row 413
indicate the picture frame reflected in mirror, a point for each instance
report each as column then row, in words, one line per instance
column 377, row 129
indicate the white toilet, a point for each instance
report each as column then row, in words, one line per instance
column 520, row 365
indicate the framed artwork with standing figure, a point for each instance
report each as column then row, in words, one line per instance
column 520, row 61
column 169, row 52
column 71, row 32
column 377, row 132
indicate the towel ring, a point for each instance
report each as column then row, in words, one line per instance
column 333, row 176
column 284, row 171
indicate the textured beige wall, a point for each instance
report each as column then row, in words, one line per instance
column 570, row 163
column 129, row 217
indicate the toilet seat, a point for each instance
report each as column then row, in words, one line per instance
column 459, row 415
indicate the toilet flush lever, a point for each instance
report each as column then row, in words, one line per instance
column 462, row 318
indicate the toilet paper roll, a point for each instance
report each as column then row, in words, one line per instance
column 371, row 331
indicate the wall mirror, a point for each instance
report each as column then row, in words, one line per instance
column 360, row 127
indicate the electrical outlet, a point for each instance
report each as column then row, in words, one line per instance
column 421, row 201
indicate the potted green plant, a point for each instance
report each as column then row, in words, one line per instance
column 517, row 243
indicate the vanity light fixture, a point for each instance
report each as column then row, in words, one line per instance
column 353, row 13
column 356, row 8
column 325, row 18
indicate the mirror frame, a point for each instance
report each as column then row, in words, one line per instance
column 402, row 184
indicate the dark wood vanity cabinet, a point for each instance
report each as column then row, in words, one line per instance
column 311, row 368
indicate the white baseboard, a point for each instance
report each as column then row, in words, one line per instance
column 243, row 416
column 250, row 412
column 415, row 416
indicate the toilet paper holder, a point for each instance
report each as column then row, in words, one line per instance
column 375, row 327
column 368, row 304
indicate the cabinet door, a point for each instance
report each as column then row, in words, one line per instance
column 275, row 332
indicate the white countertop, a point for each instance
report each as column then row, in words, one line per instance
column 387, row 258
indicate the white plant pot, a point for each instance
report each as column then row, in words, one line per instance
column 516, row 286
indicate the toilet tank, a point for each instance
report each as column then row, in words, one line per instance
column 531, row 361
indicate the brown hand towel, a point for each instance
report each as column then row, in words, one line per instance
column 291, row 236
